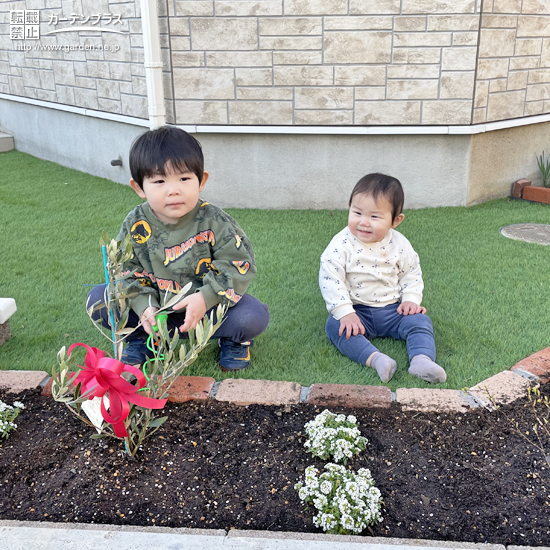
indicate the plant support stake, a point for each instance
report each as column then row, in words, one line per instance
column 107, row 281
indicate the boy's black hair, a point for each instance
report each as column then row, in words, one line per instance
column 380, row 184
column 152, row 151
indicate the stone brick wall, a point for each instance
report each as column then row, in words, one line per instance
column 325, row 62
column 513, row 66
column 298, row 62
column 106, row 74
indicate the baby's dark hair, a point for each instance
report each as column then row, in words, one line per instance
column 154, row 150
column 380, row 184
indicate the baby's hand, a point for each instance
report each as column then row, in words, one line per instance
column 351, row 324
column 195, row 308
column 148, row 318
column 410, row 308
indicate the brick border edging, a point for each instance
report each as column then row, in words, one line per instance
column 505, row 387
column 502, row 388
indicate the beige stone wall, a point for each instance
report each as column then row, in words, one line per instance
column 297, row 62
column 93, row 70
column 513, row 66
column 324, row 62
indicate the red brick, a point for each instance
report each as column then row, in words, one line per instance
column 19, row 380
column 518, row 187
column 537, row 364
column 47, row 389
column 537, row 194
column 350, row 396
column 186, row 388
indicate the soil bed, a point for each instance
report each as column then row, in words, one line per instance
column 466, row 477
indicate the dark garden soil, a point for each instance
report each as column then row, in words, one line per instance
column 467, row 477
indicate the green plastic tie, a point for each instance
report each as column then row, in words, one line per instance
column 160, row 318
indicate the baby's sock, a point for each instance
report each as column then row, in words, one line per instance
column 385, row 366
column 423, row 367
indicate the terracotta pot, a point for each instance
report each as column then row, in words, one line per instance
column 537, row 194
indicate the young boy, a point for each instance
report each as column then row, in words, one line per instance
column 177, row 238
column 371, row 281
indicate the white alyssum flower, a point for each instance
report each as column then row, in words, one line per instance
column 7, row 416
column 336, row 436
column 5, row 407
column 352, row 504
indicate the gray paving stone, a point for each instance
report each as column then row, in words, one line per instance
column 261, row 540
column 22, row 535
column 530, row 232
column 51, row 536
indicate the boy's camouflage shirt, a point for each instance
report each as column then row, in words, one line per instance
column 206, row 246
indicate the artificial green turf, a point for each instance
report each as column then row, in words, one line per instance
column 486, row 295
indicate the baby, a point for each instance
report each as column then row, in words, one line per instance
column 371, row 281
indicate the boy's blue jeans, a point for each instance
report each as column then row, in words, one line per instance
column 416, row 330
column 244, row 321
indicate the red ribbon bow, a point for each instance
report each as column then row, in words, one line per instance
column 103, row 374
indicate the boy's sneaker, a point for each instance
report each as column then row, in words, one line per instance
column 136, row 351
column 233, row 355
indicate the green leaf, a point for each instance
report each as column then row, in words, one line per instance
column 77, row 391
column 182, row 352
column 124, row 331
column 178, row 296
column 61, row 355
column 200, row 332
column 175, row 341
column 88, row 392
column 97, row 436
column 123, row 319
column 191, row 334
column 157, row 422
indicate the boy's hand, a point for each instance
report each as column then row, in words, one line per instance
column 410, row 308
column 148, row 319
column 194, row 312
column 351, row 324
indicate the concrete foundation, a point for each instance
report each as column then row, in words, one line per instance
column 501, row 157
column 297, row 171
